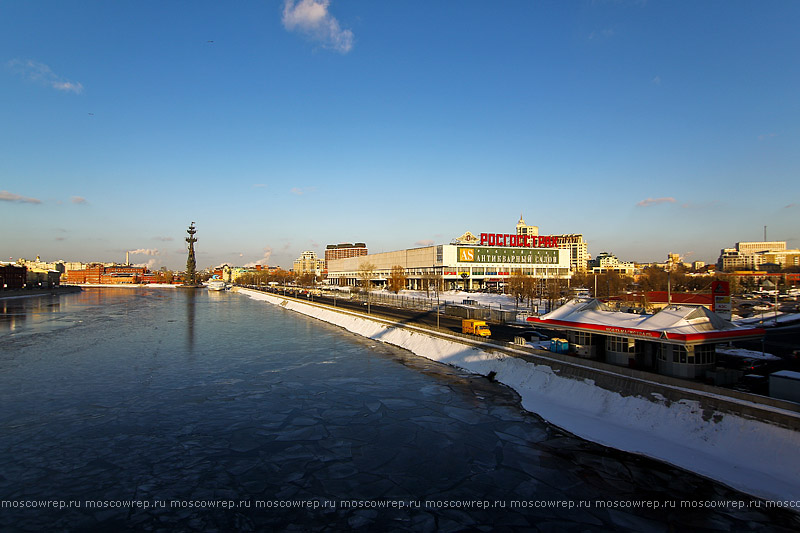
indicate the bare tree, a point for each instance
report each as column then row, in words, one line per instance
column 529, row 284
column 397, row 279
column 516, row 287
column 432, row 281
column 438, row 281
column 554, row 287
column 366, row 272
column 307, row 278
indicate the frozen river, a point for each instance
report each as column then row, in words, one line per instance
column 147, row 409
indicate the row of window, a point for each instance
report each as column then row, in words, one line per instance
column 621, row 345
column 582, row 338
column 693, row 355
column 700, row 355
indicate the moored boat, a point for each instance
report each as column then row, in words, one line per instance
column 216, row 285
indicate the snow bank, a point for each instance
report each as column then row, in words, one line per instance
column 483, row 298
column 743, row 353
column 768, row 319
column 754, row 457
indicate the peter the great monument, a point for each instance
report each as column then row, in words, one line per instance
column 190, row 278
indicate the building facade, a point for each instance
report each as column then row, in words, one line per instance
column 760, row 247
column 344, row 250
column 751, row 255
column 578, row 250
column 308, row 262
column 98, row 274
column 484, row 266
column 525, row 229
column 38, row 264
column 607, row 262
column 784, row 258
column 12, row 276
column 677, row 341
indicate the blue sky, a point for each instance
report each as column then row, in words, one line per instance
column 277, row 127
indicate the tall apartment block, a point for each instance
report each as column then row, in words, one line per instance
column 344, row 250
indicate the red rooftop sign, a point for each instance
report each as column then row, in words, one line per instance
column 519, row 241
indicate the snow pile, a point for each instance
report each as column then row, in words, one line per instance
column 743, row 353
column 769, row 319
column 751, row 456
column 483, row 298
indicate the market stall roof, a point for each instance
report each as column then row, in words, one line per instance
column 675, row 323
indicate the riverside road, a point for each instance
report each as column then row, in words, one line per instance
column 502, row 333
column 783, row 341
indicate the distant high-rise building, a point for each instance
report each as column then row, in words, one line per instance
column 579, row 253
column 344, row 250
column 750, row 255
column 607, row 262
column 524, row 229
column 308, row 262
column 760, row 247
column 674, row 261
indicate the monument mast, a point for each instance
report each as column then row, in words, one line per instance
column 191, row 264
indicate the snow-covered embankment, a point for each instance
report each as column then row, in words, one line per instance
column 752, row 456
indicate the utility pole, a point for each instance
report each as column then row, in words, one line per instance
column 437, row 311
column 669, row 289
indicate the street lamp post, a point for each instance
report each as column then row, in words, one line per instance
column 437, row 311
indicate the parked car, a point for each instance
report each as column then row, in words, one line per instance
column 753, row 364
column 534, row 335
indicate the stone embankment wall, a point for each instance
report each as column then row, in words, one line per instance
column 741, row 440
column 29, row 293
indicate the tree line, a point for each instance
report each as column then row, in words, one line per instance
column 526, row 288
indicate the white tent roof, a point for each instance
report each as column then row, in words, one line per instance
column 672, row 319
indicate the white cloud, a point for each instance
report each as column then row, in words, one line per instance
column 606, row 33
column 300, row 191
column 78, row 200
column 68, row 86
column 656, row 201
column 11, row 197
column 145, row 251
column 424, row 242
column 42, row 74
column 312, row 19
column 656, row 80
column 264, row 261
column 164, row 239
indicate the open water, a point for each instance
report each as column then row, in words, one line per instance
column 160, row 409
